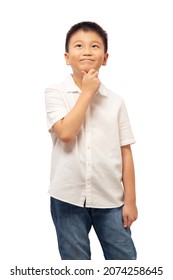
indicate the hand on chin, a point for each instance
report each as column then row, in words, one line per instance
column 86, row 69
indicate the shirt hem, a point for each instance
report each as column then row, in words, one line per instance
column 87, row 206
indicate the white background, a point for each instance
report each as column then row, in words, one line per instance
column 140, row 69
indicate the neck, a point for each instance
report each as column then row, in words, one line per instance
column 78, row 80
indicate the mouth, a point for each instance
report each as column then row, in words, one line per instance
column 86, row 60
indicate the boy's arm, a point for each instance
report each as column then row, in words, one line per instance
column 69, row 126
column 128, row 179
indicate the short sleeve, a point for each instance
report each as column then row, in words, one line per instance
column 125, row 131
column 55, row 106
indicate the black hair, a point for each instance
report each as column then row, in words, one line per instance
column 87, row 26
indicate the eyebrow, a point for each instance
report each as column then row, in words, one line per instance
column 80, row 41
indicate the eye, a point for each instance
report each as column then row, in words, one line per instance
column 95, row 46
column 78, row 46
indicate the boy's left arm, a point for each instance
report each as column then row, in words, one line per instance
column 128, row 178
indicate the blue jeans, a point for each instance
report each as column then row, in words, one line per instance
column 73, row 224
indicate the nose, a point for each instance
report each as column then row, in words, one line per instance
column 87, row 51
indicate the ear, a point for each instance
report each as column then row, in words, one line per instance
column 105, row 59
column 66, row 55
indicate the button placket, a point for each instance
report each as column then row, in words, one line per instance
column 88, row 158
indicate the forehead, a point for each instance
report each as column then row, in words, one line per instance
column 85, row 36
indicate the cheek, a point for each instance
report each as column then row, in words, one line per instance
column 101, row 60
column 73, row 58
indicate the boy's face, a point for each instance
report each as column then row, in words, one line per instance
column 86, row 51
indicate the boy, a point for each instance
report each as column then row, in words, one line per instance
column 92, row 171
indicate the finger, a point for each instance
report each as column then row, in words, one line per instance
column 130, row 221
column 84, row 73
column 92, row 71
column 125, row 221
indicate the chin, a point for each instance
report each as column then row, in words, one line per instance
column 86, row 69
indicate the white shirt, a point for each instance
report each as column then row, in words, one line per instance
column 89, row 169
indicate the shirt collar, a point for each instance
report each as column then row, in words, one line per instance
column 70, row 86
